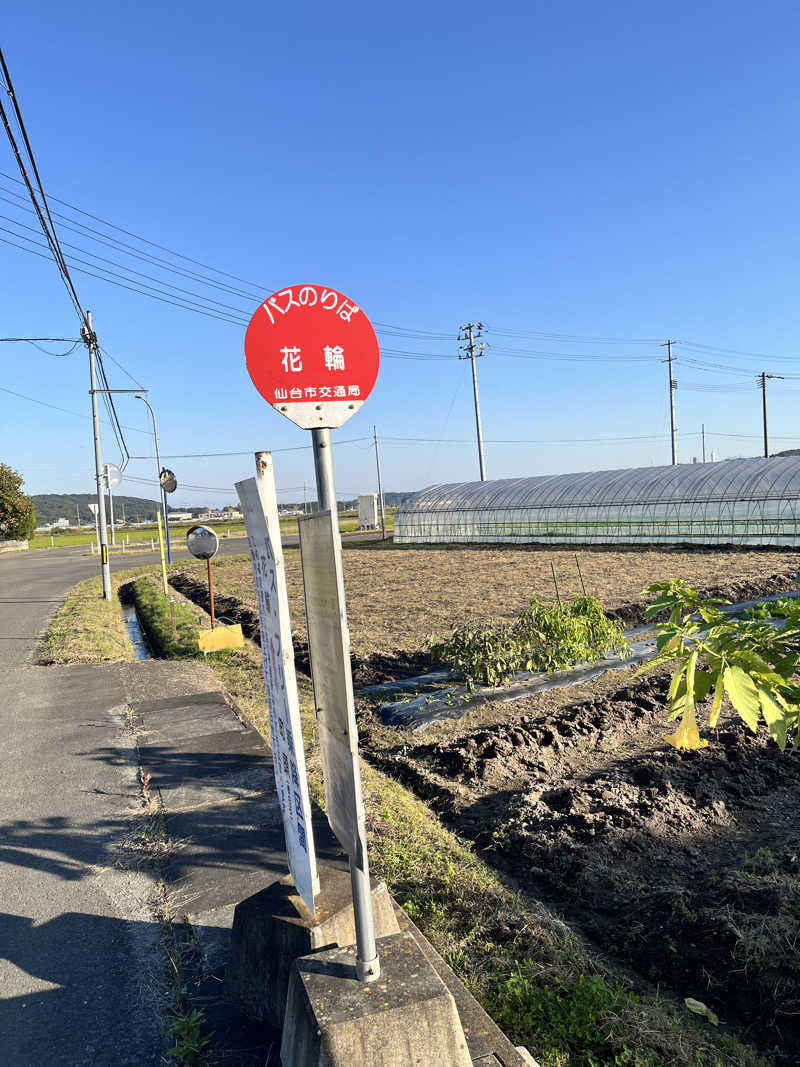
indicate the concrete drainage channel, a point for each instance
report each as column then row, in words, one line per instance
column 141, row 650
column 418, row 712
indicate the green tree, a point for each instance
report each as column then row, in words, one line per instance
column 17, row 515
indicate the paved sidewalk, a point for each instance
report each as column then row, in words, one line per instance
column 80, row 955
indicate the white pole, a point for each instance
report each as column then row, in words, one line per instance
column 367, row 963
column 110, row 506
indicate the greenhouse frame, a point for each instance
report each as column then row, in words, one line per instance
column 735, row 501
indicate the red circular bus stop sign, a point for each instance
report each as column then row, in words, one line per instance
column 312, row 354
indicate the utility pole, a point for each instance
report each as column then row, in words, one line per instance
column 78, row 513
column 380, row 486
column 472, row 348
column 90, row 340
column 703, row 433
column 761, row 381
column 673, row 385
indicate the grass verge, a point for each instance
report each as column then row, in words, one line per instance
column 544, row 986
column 155, row 618
column 86, row 629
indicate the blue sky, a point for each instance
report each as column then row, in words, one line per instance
column 621, row 171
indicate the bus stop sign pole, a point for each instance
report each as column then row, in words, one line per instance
column 367, row 962
column 313, row 355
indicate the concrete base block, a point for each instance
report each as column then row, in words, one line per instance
column 273, row 928
column 405, row 1019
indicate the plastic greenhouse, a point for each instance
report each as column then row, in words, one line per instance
column 737, row 501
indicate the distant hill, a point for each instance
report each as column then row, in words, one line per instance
column 53, row 506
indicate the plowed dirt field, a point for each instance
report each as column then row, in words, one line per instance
column 683, row 867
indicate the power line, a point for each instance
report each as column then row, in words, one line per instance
column 55, row 407
column 249, row 452
column 530, row 441
column 259, row 287
column 124, row 248
column 120, row 280
column 52, row 340
column 122, row 266
column 41, row 208
column 145, row 240
column 571, row 338
column 184, row 485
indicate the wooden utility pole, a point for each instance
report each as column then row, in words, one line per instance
column 673, row 385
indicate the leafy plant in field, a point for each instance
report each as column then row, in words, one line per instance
column 543, row 638
column 484, row 653
column 752, row 660
column 560, row 635
column 758, row 611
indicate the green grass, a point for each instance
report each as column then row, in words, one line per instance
column 153, row 609
column 86, row 629
column 136, row 534
column 144, row 534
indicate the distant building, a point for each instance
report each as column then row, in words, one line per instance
column 368, row 511
column 227, row 515
column 180, row 516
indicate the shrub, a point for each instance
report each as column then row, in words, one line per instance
column 542, row 639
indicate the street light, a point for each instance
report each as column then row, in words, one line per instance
column 158, row 475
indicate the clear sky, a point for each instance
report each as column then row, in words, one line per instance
column 594, row 171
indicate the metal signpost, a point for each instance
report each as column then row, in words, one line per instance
column 113, row 476
column 94, row 510
column 204, row 544
column 160, row 471
column 168, row 483
column 313, row 355
column 260, row 509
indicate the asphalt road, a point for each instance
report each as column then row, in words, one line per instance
column 80, row 957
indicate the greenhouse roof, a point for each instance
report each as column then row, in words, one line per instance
column 777, row 478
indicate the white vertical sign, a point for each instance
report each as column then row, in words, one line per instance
column 260, row 510
column 329, row 648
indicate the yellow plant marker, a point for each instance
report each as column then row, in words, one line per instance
column 161, row 548
column 219, row 638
